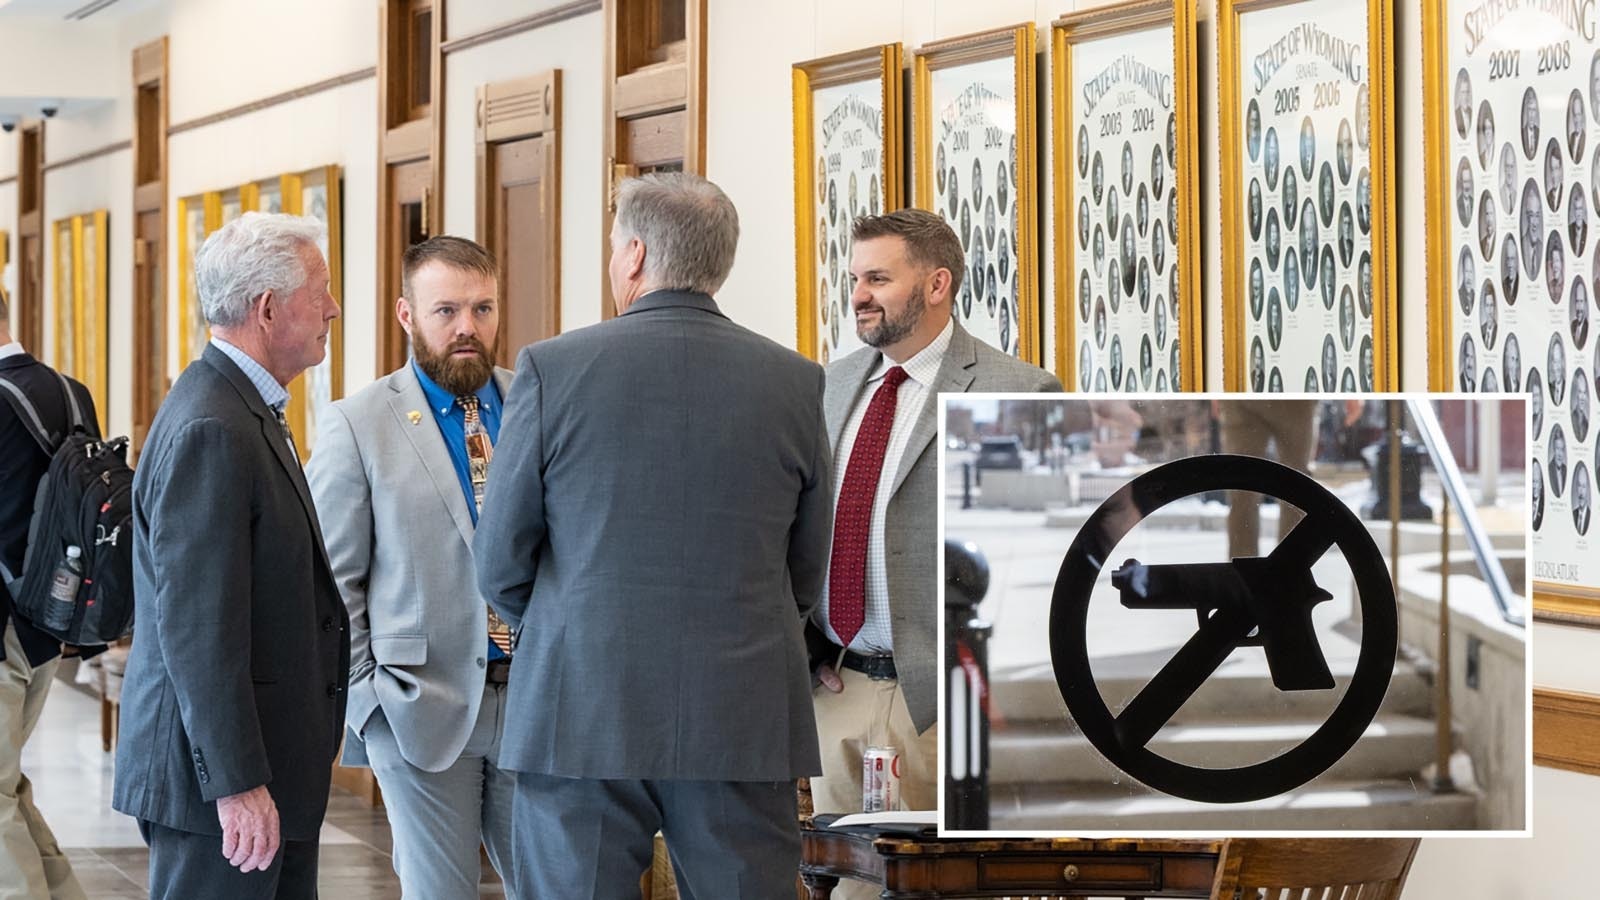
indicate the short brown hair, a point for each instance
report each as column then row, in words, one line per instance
column 455, row 252
column 930, row 241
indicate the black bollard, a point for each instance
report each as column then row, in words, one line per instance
column 966, row 485
column 966, row 714
column 1412, row 456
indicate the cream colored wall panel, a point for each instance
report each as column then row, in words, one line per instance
column 225, row 53
column 46, row 57
column 464, row 17
column 570, row 46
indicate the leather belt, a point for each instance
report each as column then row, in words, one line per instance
column 498, row 672
column 878, row 668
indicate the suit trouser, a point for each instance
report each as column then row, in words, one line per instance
column 32, row 866
column 1247, row 426
column 869, row 713
column 592, row 839
column 189, row 866
column 439, row 818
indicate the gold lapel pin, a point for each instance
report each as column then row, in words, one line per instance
column 414, row 416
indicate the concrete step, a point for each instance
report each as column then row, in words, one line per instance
column 1242, row 688
column 1323, row 805
column 1394, row 746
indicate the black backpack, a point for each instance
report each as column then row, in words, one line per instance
column 85, row 500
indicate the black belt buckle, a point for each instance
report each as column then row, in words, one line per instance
column 877, row 668
column 499, row 671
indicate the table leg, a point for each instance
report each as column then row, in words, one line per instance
column 819, row 887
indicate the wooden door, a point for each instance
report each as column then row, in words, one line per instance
column 409, row 190
column 150, row 382
column 30, row 294
column 524, row 242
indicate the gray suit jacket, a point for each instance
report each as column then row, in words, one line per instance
column 241, row 647
column 657, row 525
column 399, row 536
column 910, row 537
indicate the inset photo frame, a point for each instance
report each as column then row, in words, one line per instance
column 1512, row 149
column 974, row 122
column 318, row 193
column 1308, row 200
column 198, row 216
column 82, row 306
column 849, row 160
column 1127, row 307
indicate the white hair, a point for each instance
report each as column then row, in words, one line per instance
column 688, row 226
column 253, row 254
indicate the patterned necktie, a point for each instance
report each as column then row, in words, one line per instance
column 852, row 522
column 480, row 450
column 288, row 436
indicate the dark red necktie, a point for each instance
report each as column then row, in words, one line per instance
column 852, row 521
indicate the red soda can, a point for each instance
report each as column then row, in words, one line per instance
column 880, row 779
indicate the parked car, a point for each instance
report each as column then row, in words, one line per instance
column 1000, row 453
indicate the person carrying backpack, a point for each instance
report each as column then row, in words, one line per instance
column 31, row 863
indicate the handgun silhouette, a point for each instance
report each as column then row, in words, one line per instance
column 1250, row 601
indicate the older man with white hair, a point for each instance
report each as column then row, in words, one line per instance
column 655, row 530
column 233, row 704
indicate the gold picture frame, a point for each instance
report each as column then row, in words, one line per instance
column 819, row 330
column 1379, row 68
column 5, row 260
column 1099, row 24
column 316, row 192
column 1550, row 44
column 198, row 216
column 977, row 54
column 82, row 309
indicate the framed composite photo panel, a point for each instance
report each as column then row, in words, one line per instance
column 849, row 160
column 1512, row 118
column 1127, row 302
column 974, row 118
column 83, row 311
column 317, row 193
column 1307, row 113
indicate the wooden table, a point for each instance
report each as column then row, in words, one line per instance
column 910, row 867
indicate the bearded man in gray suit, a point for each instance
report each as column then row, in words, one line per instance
column 398, row 474
column 235, row 692
column 656, row 527
column 873, row 635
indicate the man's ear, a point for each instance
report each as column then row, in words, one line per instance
column 402, row 312
column 939, row 287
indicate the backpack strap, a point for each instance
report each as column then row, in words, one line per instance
column 74, row 412
column 30, row 415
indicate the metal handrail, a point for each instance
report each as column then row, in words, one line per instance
column 1455, row 488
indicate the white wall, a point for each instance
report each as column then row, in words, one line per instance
column 573, row 47
column 46, row 57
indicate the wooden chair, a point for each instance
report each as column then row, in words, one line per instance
column 1337, row 868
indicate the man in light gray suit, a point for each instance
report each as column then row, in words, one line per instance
column 873, row 634
column 234, row 698
column 397, row 476
column 656, row 529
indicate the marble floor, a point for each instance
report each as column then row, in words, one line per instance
column 72, row 786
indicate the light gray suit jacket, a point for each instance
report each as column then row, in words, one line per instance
column 399, row 536
column 910, row 537
column 657, row 523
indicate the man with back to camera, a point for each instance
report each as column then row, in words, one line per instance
column 655, row 531
column 31, row 863
column 872, row 638
column 233, row 702
column 398, row 475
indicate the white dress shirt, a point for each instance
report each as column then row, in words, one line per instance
column 915, row 392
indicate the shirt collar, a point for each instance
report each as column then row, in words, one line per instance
column 924, row 367
column 442, row 401
column 12, row 349
column 272, row 393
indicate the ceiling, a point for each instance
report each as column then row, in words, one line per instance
column 95, row 11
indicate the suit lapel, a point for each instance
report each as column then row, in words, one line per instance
column 955, row 377
column 273, row 434
column 428, row 443
column 852, row 376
